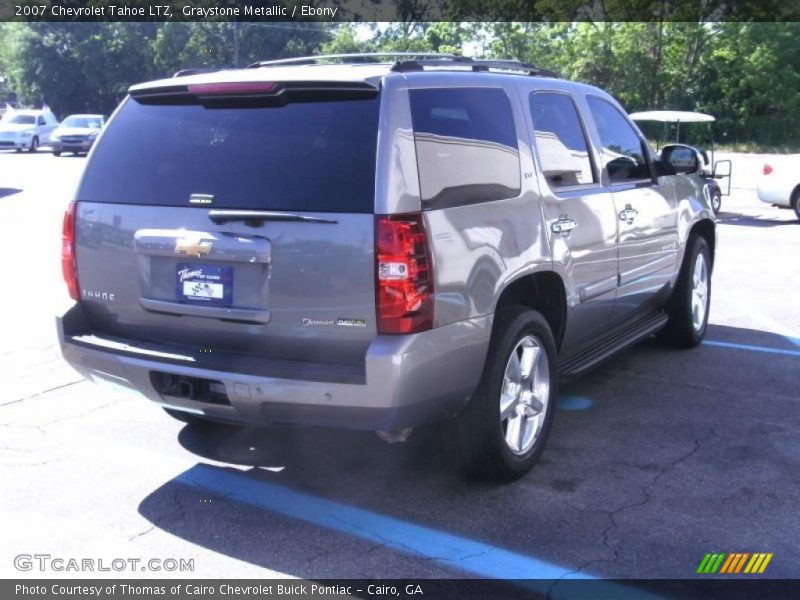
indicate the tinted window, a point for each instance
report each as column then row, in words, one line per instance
column 309, row 156
column 560, row 140
column 85, row 122
column 466, row 145
column 625, row 156
column 22, row 119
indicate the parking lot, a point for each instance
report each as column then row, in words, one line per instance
column 656, row 458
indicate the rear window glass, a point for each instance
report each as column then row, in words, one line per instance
column 466, row 145
column 304, row 156
column 85, row 122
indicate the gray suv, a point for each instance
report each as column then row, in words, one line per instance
column 379, row 244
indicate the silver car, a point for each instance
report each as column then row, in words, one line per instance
column 76, row 134
column 379, row 245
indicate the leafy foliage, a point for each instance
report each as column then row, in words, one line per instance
column 747, row 74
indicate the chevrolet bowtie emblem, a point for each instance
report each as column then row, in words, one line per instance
column 193, row 246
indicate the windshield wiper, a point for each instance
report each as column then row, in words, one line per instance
column 255, row 218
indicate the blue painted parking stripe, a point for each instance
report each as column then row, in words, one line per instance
column 752, row 348
column 449, row 550
column 464, row 554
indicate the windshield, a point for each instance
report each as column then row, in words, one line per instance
column 84, row 122
column 22, row 119
column 312, row 156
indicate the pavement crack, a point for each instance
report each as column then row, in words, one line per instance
column 468, row 556
column 35, row 464
column 141, row 533
column 710, row 387
column 390, row 542
column 37, row 394
column 176, row 513
column 83, row 414
column 318, row 555
column 13, row 425
column 646, row 497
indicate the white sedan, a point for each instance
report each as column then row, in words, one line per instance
column 780, row 186
column 26, row 129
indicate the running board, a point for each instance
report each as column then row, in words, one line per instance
column 618, row 339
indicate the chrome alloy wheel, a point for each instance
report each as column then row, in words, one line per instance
column 699, row 292
column 525, row 394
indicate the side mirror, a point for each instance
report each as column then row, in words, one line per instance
column 680, row 158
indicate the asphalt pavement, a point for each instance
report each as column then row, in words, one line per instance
column 655, row 459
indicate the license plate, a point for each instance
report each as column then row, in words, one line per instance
column 204, row 284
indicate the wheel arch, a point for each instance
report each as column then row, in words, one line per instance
column 794, row 196
column 706, row 229
column 543, row 291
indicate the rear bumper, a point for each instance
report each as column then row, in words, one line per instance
column 409, row 380
column 774, row 194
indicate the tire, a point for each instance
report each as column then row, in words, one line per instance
column 520, row 335
column 796, row 203
column 34, row 144
column 55, row 153
column 688, row 306
column 716, row 201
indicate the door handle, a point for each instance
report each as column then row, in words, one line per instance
column 563, row 225
column 628, row 214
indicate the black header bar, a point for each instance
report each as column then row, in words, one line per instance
column 386, row 10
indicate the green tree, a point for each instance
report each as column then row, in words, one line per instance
column 77, row 66
column 345, row 41
column 222, row 44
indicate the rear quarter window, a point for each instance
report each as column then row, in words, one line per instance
column 466, row 145
column 304, row 156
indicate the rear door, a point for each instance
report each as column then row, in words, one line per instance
column 234, row 224
column 646, row 210
column 579, row 210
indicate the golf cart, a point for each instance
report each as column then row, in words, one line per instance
column 710, row 171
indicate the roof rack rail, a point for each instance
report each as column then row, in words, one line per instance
column 477, row 65
column 415, row 61
column 361, row 57
column 194, row 71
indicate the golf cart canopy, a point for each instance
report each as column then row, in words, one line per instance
column 710, row 169
column 672, row 116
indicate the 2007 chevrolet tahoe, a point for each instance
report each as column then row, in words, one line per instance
column 379, row 244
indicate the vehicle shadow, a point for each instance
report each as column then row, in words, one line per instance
column 666, row 453
column 9, row 192
column 751, row 221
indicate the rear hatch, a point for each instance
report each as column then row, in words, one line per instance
column 234, row 222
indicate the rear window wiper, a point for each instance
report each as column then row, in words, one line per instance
column 255, row 218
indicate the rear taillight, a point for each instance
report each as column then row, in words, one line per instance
column 767, row 169
column 68, row 266
column 404, row 274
